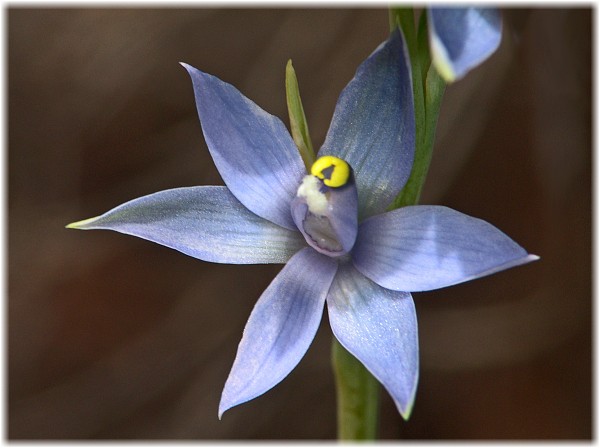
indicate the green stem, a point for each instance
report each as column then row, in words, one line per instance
column 404, row 18
column 428, row 91
column 358, row 396
column 425, row 138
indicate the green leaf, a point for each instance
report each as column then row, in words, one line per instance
column 298, row 124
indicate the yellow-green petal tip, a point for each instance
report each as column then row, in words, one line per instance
column 441, row 61
column 80, row 224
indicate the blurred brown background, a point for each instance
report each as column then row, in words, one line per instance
column 111, row 337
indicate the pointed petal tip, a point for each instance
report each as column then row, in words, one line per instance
column 405, row 414
column 406, row 410
column 225, row 404
column 193, row 71
column 188, row 67
column 81, row 225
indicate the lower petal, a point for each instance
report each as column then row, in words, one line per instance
column 420, row 248
column 281, row 327
column 379, row 327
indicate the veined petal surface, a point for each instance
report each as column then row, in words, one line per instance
column 252, row 149
column 281, row 327
column 208, row 223
column 420, row 248
column 462, row 38
column 373, row 126
column 379, row 327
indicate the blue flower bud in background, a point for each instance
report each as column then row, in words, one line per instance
column 462, row 38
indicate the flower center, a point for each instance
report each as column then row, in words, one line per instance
column 325, row 207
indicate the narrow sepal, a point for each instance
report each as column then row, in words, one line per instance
column 373, row 126
column 252, row 149
column 379, row 327
column 420, row 248
column 281, row 327
column 462, row 38
column 208, row 223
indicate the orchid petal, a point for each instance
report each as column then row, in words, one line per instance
column 421, row 248
column 462, row 38
column 373, row 126
column 379, row 327
column 208, row 223
column 252, row 149
column 281, row 327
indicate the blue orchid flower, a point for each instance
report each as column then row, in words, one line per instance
column 330, row 227
column 462, row 38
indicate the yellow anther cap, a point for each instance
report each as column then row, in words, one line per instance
column 334, row 172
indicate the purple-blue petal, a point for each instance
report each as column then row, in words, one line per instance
column 421, row 248
column 281, row 327
column 379, row 327
column 208, row 223
column 373, row 126
column 462, row 38
column 252, row 149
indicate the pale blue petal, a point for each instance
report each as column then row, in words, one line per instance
column 208, row 223
column 252, row 149
column 379, row 327
column 462, row 38
column 281, row 327
column 373, row 126
column 420, row 248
